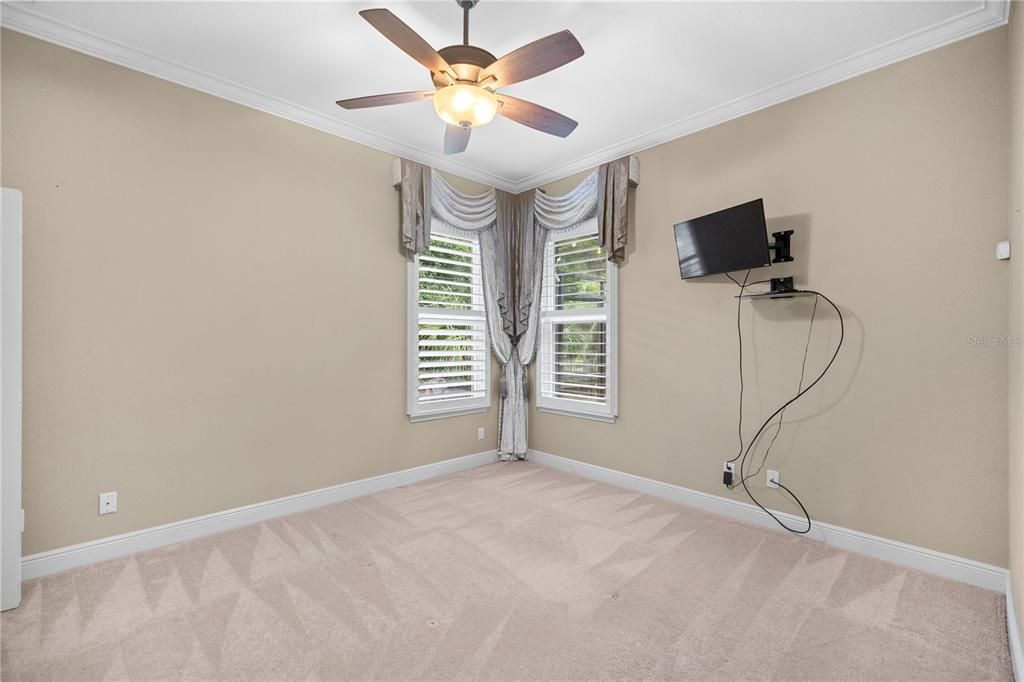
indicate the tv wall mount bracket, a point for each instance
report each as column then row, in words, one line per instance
column 781, row 247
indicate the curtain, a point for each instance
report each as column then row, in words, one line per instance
column 604, row 194
column 511, row 254
column 415, row 194
column 473, row 212
column 613, row 208
column 568, row 210
column 513, row 229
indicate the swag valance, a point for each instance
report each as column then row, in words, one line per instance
column 513, row 229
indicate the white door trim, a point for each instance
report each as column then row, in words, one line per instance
column 11, row 515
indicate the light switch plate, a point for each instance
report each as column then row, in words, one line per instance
column 1003, row 250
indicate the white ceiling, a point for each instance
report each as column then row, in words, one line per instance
column 652, row 71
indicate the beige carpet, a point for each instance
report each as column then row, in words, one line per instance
column 508, row 571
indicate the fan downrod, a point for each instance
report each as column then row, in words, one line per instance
column 466, row 5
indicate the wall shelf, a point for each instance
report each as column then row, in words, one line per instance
column 776, row 294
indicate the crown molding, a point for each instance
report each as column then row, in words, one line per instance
column 19, row 18
column 988, row 14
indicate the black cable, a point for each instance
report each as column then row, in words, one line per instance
column 800, row 385
column 802, row 508
column 739, row 334
column 743, row 482
column 782, row 408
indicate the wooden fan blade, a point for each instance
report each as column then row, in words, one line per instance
column 540, row 56
column 536, row 116
column 456, row 139
column 384, row 100
column 407, row 40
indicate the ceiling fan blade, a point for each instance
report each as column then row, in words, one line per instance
column 407, row 40
column 540, row 56
column 384, row 100
column 536, row 116
column 456, row 139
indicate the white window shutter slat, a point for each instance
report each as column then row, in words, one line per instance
column 576, row 364
column 449, row 360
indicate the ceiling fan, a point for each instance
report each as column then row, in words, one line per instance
column 466, row 78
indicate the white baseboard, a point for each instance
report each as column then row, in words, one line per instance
column 61, row 559
column 927, row 560
column 1013, row 633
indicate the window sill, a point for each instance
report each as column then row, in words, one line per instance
column 431, row 416
column 606, row 418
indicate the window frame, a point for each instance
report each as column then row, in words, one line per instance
column 416, row 411
column 609, row 411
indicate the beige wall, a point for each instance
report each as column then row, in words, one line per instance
column 195, row 339
column 1017, row 310
column 895, row 183
column 214, row 302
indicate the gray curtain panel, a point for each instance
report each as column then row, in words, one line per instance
column 513, row 229
column 613, row 208
column 415, row 190
column 512, row 252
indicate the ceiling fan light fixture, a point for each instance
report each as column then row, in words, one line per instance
column 465, row 77
column 462, row 104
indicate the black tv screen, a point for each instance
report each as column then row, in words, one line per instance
column 732, row 239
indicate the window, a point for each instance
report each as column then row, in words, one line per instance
column 448, row 354
column 577, row 360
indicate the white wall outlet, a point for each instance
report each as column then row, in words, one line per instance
column 480, row 433
column 773, row 479
column 1003, row 250
column 108, row 503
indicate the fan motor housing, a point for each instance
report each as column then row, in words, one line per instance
column 466, row 60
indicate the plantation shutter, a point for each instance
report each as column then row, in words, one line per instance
column 577, row 357
column 449, row 351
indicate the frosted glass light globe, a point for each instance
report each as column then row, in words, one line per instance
column 464, row 104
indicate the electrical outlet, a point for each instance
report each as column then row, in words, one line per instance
column 773, row 479
column 108, row 503
column 480, row 433
column 728, row 471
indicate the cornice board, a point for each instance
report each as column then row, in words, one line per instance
column 988, row 15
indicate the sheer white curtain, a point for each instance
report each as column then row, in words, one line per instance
column 568, row 210
column 513, row 229
column 604, row 194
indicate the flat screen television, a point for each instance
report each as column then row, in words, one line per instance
column 725, row 241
